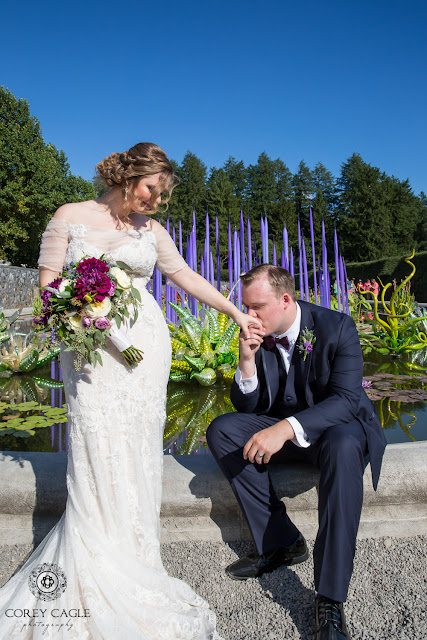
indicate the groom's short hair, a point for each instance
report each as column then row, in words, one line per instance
column 279, row 279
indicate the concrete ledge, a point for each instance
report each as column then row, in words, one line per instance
column 198, row 503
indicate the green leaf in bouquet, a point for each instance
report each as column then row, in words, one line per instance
column 98, row 357
column 123, row 265
column 125, row 312
column 135, row 315
column 118, row 320
column 64, row 294
column 89, row 342
column 135, row 293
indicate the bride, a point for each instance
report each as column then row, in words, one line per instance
column 98, row 574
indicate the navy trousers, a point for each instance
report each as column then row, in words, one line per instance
column 340, row 456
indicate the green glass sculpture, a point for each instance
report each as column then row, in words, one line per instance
column 201, row 350
column 396, row 330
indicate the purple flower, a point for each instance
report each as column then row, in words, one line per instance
column 112, row 289
column 40, row 320
column 366, row 383
column 308, row 347
column 92, row 265
column 102, row 323
column 86, row 322
column 93, row 280
column 45, row 295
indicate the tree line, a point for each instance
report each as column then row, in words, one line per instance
column 374, row 214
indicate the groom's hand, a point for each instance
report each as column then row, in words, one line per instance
column 267, row 442
column 248, row 346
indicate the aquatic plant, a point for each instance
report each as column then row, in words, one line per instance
column 22, row 419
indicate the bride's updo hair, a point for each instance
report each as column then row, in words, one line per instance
column 144, row 159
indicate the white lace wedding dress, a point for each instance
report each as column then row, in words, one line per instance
column 107, row 541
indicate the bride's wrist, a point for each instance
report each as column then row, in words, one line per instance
column 236, row 315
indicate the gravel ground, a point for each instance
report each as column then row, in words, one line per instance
column 387, row 598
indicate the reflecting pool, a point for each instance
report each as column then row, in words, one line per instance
column 33, row 407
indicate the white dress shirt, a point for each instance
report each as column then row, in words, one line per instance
column 247, row 385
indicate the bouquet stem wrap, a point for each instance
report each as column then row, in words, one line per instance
column 118, row 337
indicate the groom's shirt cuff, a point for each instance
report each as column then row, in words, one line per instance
column 301, row 438
column 247, row 385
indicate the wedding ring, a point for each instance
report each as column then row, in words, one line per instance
column 259, row 455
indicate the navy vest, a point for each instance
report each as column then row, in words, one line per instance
column 290, row 398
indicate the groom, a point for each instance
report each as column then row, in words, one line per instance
column 298, row 395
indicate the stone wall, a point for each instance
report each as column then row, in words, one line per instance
column 17, row 286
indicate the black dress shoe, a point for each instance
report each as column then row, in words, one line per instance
column 255, row 565
column 330, row 620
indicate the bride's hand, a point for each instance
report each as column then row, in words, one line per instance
column 245, row 322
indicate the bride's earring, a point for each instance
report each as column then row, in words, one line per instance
column 126, row 193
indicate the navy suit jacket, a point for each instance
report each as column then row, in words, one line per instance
column 330, row 379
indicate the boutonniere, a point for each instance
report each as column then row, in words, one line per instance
column 306, row 342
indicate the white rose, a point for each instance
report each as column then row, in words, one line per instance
column 121, row 277
column 75, row 321
column 97, row 309
column 64, row 283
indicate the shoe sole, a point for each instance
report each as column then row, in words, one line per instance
column 271, row 568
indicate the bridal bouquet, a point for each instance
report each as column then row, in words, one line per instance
column 86, row 305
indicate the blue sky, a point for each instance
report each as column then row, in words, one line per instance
column 300, row 80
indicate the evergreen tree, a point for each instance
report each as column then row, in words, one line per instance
column 378, row 214
column 221, row 202
column 262, row 185
column 324, row 203
column 35, row 180
column 365, row 221
column 303, row 195
column 238, row 176
column 283, row 210
column 190, row 192
column 405, row 209
column 421, row 231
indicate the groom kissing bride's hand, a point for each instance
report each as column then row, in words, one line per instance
column 272, row 439
column 298, row 396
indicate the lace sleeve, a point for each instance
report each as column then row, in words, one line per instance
column 169, row 260
column 54, row 245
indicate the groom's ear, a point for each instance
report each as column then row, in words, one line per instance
column 286, row 300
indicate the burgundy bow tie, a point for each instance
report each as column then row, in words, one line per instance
column 270, row 342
